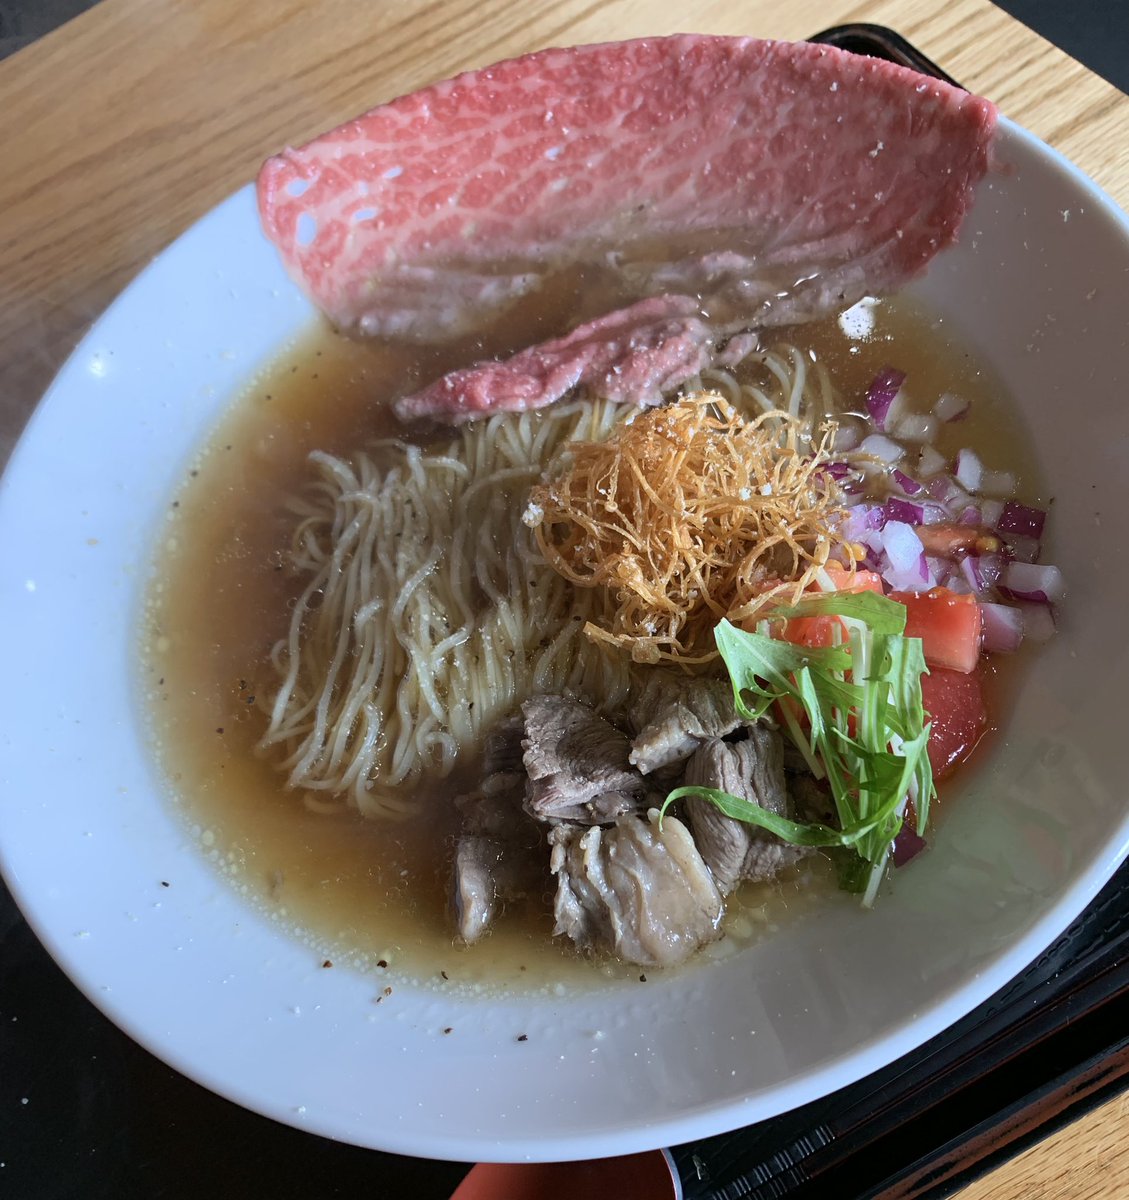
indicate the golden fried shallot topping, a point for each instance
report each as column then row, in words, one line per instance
column 688, row 513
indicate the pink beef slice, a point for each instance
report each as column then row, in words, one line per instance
column 731, row 183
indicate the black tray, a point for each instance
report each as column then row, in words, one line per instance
column 1043, row 1050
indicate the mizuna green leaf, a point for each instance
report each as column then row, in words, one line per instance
column 862, row 727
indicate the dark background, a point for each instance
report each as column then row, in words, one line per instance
column 86, row 1113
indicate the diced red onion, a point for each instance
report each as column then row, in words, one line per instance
column 982, row 571
column 918, row 579
column 951, row 407
column 903, row 510
column 1023, row 549
column 969, row 470
column 969, row 515
column 944, row 573
column 916, row 427
column 931, row 462
column 1002, row 626
column 862, row 519
column 956, row 584
column 881, row 393
column 933, row 514
column 991, row 511
column 1038, row 622
column 908, row 485
column 876, row 445
column 847, row 437
column 903, row 565
column 1028, row 581
column 948, row 492
column 1021, row 519
column 837, row 470
column 902, row 545
column 997, row 483
column 907, row 846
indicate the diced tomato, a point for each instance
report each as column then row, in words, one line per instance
column 948, row 625
column 950, row 541
column 854, row 581
column 955, row 703
column 820, row 631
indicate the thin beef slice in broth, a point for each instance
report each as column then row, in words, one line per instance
column 734, row 183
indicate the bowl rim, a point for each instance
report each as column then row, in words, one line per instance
column 646, row 1133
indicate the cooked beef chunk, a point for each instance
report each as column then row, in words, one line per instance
column 576, row 763
column 489, row 871
column 495, row 809
column 503, row 748
column 645, row 896
column 501, row 852
column 754, row 770
column 794, row 761
column 810, row 800
column 674, row 714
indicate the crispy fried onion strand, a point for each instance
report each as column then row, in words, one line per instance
column 687, row 514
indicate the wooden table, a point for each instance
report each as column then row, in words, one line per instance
column 126, row 125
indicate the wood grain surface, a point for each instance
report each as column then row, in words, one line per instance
column 127, row 124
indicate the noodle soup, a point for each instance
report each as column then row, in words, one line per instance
column 376, row 892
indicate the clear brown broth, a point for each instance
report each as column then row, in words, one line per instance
column 366, row 893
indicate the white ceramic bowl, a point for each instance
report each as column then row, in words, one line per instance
column 1040, row 282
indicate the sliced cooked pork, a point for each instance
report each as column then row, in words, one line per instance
column 741, row 184
column 675, row 714
column 577, row 764
column 752, row 769
column 645, row 896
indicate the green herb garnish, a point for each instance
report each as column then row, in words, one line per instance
column 865, row 731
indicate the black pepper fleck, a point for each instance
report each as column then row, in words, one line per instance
column 642, row 978
column 444, row 974
column 164, row 883
column 219, row 729
column 382, row 964
column 449, row 1029
column 387, row 991
column 327, row 963
column 523, row 1037
column 250, row 699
